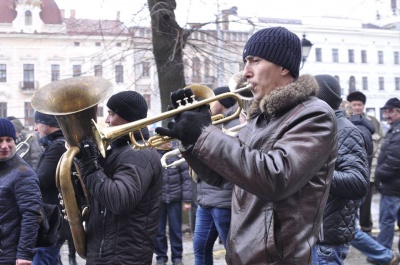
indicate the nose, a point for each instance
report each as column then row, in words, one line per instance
column 247, row 72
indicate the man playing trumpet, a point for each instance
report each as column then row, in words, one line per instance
column 281, row 162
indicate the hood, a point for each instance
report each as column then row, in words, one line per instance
column 285, row 97
column 360, row 120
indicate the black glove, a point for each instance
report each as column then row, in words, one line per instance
column 188, row 125
column 88, row 158
column 182, row 97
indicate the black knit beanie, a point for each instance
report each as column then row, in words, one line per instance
column 226, row 102
column 357, row 96
column 277, row 45
column 7, row 128
column 329, row 90
column 129, row 105
column 46, row 119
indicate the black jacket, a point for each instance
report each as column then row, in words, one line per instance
column 19, row 210
column 125, row 206
column 350, row 183
column 367, row 129
column 387, row 174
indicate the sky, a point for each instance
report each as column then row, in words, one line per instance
column 206, row 10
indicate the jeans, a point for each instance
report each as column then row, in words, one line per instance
column 173, row 213
column 371, row 248
column 46, row 256
column 324, row 254
column 388, row 208
column 210, row 222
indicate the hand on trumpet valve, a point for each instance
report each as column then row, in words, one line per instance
column 182, row 97
column 88, row 158
column 188, row 125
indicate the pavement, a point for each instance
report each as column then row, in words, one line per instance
column 354, row 257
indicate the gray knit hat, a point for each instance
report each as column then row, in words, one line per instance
column 329, row 90
column 277, row 45
column 7, row 128
column 129, row 105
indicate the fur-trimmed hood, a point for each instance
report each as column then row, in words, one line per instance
column 286, row 97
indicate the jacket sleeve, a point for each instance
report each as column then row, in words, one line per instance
column 351, row 176
column 121, row 192
column 278, row 170
column 389, row 165
column 27, row 194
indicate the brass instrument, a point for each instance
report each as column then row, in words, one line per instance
column 74, row 103
column 22, row 145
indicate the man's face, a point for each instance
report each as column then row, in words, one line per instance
column 217, row 108
column 357, row 107
column 42, row 129
column 264, row 76
column 7, row 148
column 114, row 119
column 391, row 115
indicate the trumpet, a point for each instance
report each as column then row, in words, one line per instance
column 170, row 154
column 23, row 145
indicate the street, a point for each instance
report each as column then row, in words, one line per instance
column 353, row 258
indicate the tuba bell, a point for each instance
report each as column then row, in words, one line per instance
column 74, row 103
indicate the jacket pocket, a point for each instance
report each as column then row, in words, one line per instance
column 273, row 237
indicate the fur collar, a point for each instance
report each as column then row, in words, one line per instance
column 286, row 97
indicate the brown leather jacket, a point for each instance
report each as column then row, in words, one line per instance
column 281, row 164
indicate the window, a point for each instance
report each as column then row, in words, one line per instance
column 28, row 18
column 97, row 44
column 76, row 70
column 119, row 74
column 365, row 83
column 396, row 57
column 100, row 110
column 380, row 57
column 196, row 77
column 98, row 70
column 55, row 72
column 145, row 69
column 29, row 114
column 3, row 73
column 147, row 97
column 318, row 54
column 352, row 84
column 335, row 55
column 118, row 44
column 397, row 83
column 3, row 109
column 381, row 83
column 363, row 56
column 351, row 56
column 76, row 43
column 29, row 76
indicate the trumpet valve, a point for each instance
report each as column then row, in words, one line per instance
column 179, row 102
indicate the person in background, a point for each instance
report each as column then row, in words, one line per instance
column 177, row 189
column 350, row 182
column 281, row 178
column 213, row 216
column 357, row 102
column 125, row 188
column 20, row 203
column 52, row 140
column 387, row 174
column 33, row 154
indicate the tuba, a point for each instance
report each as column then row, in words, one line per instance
column 74, row 103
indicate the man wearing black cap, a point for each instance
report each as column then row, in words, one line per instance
column 126, row 189
column 387, row 174
column 20, row 203
column 357, row 101
column 350, row 182
column 281, row 162
column 52, row 141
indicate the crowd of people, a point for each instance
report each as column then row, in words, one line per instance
column 292, row 185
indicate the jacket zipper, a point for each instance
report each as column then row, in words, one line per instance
column 104, row 233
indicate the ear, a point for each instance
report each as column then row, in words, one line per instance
column 285, row 71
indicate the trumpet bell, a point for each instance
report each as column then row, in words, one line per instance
column 239, row 85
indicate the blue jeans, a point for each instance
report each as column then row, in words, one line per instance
column 173, row 213
column 371, row 248
column 210, row 222
column 46, row 256
column 323, row 254
column 388, row 208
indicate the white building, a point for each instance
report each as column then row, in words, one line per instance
column 39, row 45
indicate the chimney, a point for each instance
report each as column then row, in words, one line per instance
column 72, row 13
column 118, row 14
column 62, row 13
column 394, row 6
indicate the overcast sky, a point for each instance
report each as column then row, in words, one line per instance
column 205, row 10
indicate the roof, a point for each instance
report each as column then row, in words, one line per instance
column 7, row 11
column 95, row 27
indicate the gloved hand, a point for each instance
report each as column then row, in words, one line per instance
column 88, row 158
column 188, row 125
column 181, row 97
